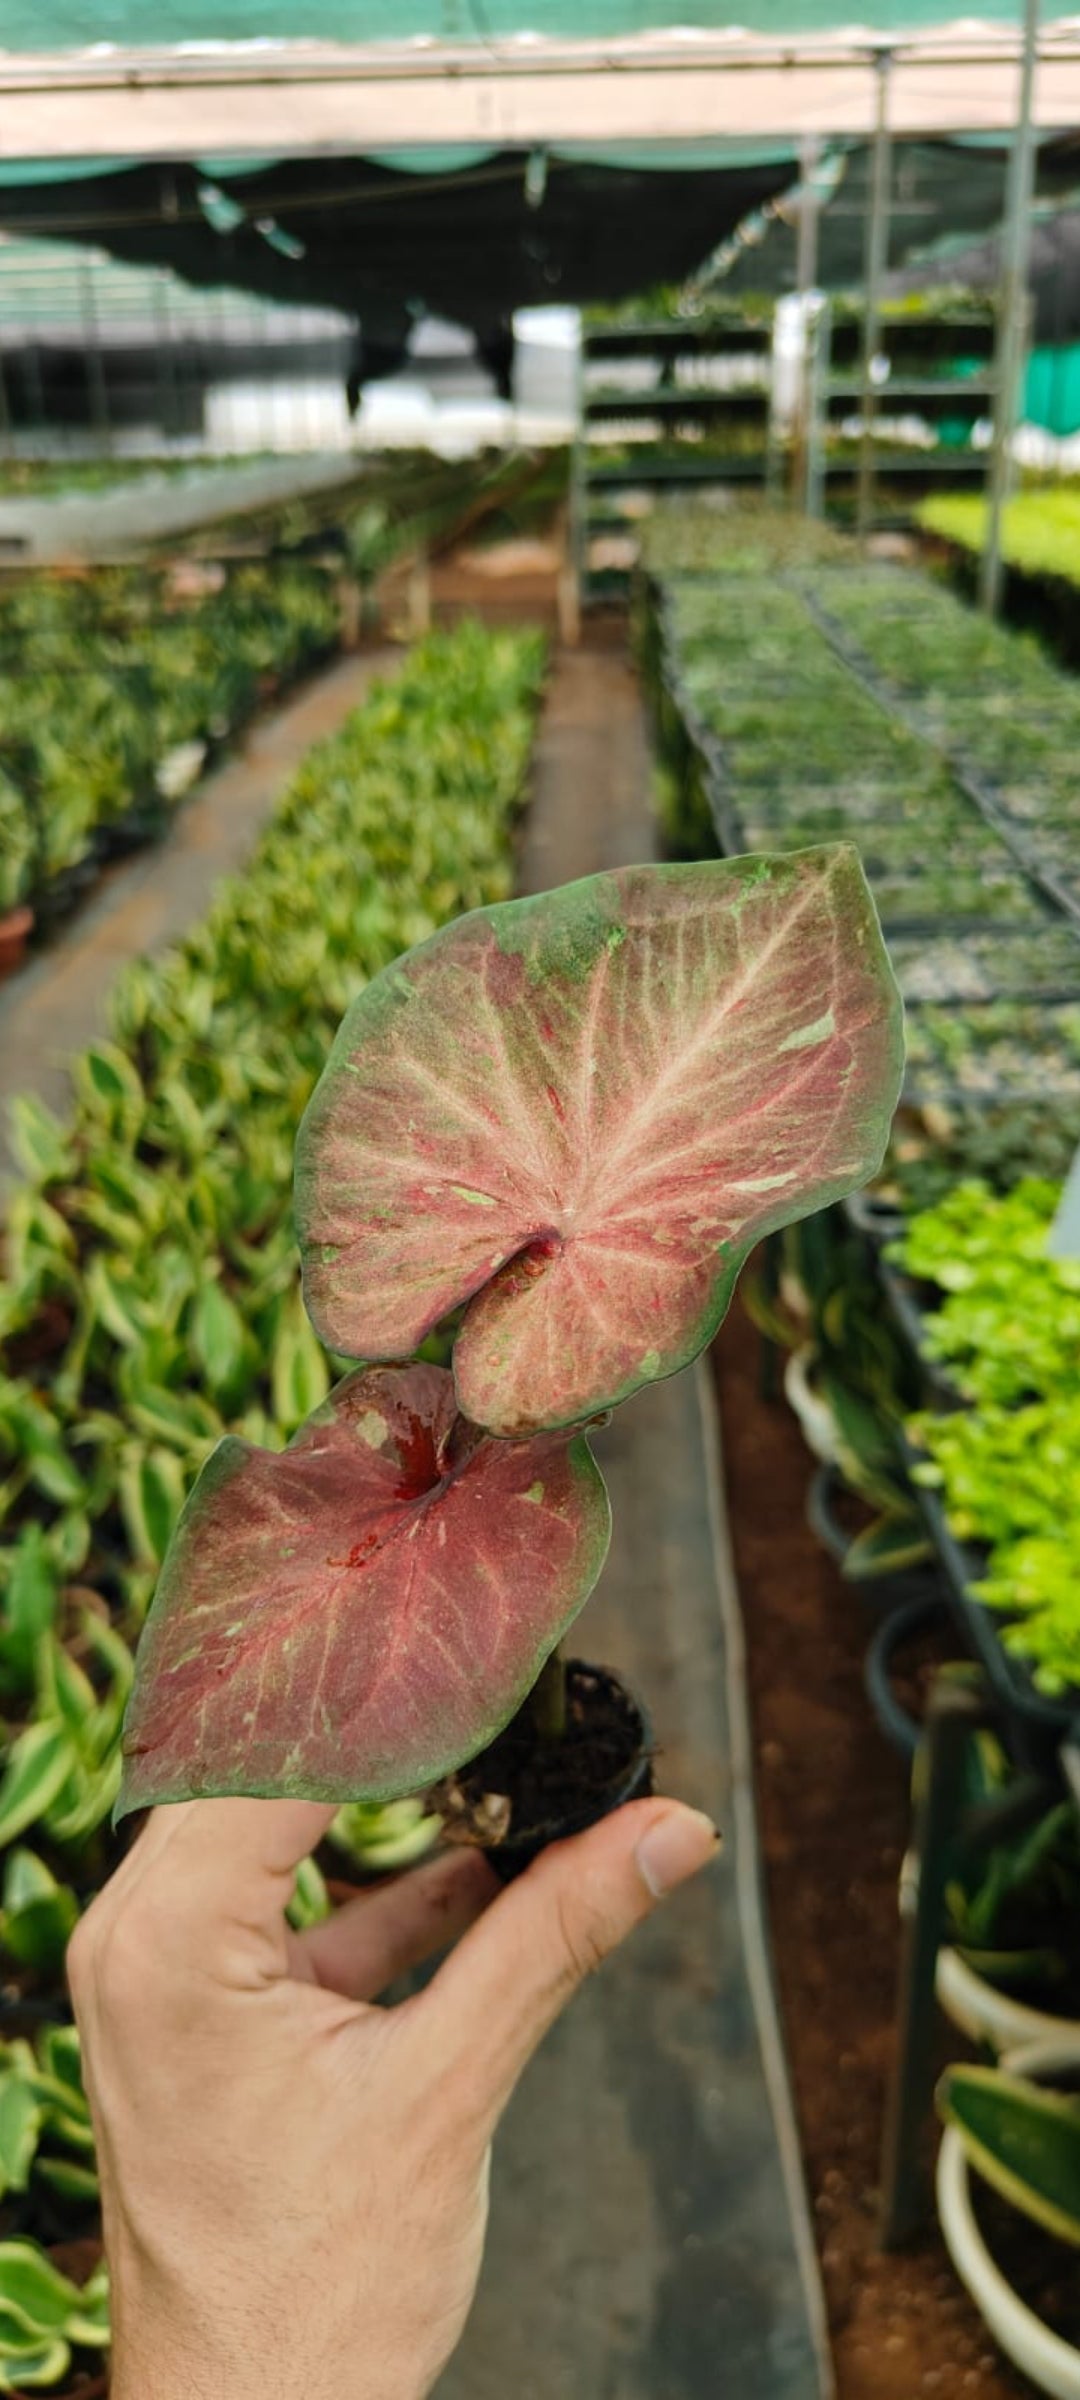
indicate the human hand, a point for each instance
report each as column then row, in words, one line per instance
column 295, row 2180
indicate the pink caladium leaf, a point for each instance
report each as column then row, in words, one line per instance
column 578, row 1112
column 354, row 1616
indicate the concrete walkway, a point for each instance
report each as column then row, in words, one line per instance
column 57, row 1003
column 149, row 509
column 649, row 2236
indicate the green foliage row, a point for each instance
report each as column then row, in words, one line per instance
column 102, row 681
column 150, row 1297
column 1006, row 1317
column 1041, row 531
column 692, row 535
column 1007, row 1328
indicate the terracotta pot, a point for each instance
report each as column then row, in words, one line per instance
column 15, row 931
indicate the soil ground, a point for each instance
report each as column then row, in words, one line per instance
column 833, row 1813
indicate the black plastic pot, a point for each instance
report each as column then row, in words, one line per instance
column 927, row 1608
column 632, row 1781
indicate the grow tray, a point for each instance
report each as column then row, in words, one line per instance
column 1042, row 1723
column 910, row 1320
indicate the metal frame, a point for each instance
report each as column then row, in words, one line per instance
column 642, row 88
column 1013, row 319
column 877, row 254
column 817, row 337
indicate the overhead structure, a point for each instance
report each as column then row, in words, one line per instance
column 1013, row 314
column 552, row 139
column 945, row 197
column 276, row 76
column 470, row 238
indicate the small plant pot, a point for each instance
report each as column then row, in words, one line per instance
column 556, row 1787
column 15, row 931
column 1051, row 2363
column 996, row 2019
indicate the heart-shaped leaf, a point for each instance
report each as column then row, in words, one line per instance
column 352, row 1617
column 579, row 1112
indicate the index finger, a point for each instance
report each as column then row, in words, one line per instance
column 225, row 1864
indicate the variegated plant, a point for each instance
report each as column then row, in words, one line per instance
column 570, row 1117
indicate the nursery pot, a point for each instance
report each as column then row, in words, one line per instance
column 997, row 2018
column 558, row 1785
column 1051, row 2363
column 15, row 931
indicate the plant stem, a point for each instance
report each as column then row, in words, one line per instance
column 547, row 1700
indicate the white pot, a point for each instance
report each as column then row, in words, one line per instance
column 996, row 2018
column 1051, row 2363
column 816, row 1418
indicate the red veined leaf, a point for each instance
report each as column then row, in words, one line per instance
column 352, row 1617
column 578, row 1112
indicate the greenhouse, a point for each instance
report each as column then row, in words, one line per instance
column 539, row 1200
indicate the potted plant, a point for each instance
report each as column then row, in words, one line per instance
column 17, row 844
column 1023, row 2139
column 560, row 1124
column 1010, row 1973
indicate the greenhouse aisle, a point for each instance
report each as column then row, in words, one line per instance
column 58, row 1002
column 649, row 2235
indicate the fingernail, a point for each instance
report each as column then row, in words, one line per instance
column 674, row 1847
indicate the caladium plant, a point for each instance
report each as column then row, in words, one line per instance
column 577, row 1113
column 355, row 1615
column 573, row 1115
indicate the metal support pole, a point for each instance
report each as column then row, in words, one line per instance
column 95, row 364
column 578, row 560
column 1012, row 315
column 877, row 254
column 35, row 381
column 954, row 1712
column 819, row 335
column 168, row 398
column 7, row 431
column 806, row 271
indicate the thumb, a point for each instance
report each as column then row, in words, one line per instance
column 513, row 1973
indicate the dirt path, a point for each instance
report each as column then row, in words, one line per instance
column 834, row 1812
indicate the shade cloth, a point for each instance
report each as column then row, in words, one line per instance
column 471, row 244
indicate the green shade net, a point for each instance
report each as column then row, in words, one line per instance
column 939, row 191
column 471, row 243
column 1053, row 268
column 75, row 24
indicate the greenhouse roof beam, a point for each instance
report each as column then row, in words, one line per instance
column 294, row 96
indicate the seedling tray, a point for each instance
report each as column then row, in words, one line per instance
column 1044, row 880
